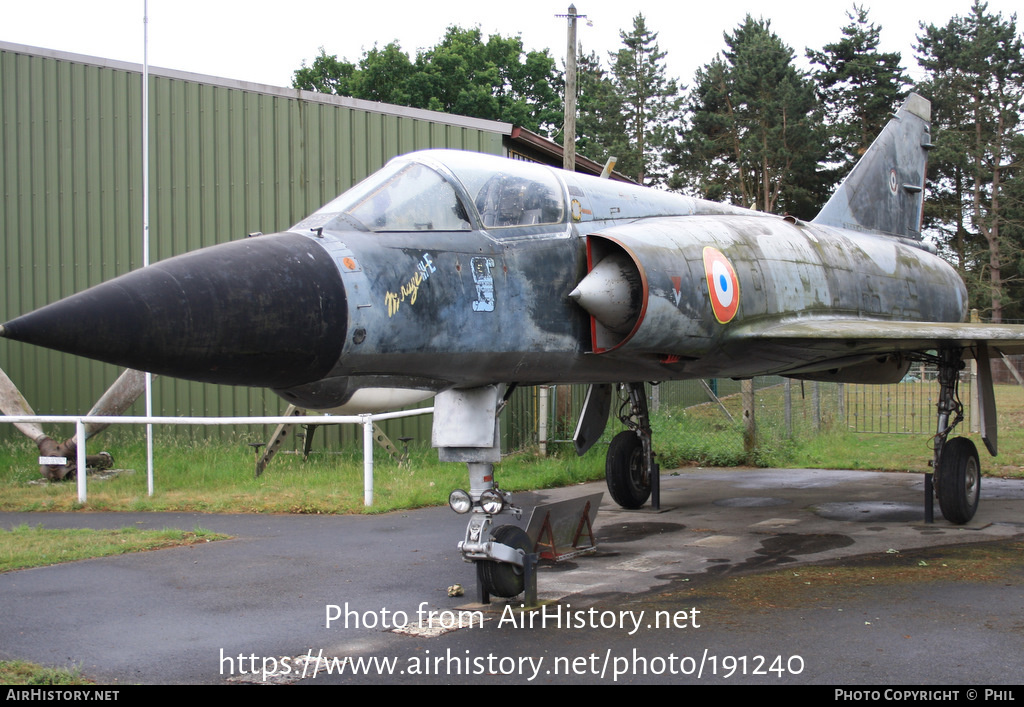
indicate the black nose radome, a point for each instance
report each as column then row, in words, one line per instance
column 267, row 311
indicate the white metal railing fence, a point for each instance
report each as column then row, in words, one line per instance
column 79, row 421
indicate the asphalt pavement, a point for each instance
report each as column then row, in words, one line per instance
column 745, row 576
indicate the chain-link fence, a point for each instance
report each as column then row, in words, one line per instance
column 713, row 410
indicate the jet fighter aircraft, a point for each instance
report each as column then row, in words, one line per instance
column 462, row 275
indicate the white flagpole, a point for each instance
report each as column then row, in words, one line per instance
column 145, row 221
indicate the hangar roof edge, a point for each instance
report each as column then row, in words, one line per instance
column 461, row 121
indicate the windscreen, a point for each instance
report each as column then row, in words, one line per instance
column 404, row 196
column 411, row 196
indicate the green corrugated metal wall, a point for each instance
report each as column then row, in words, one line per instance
column 225, row 160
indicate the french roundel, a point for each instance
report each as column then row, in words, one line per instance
column 723, row 285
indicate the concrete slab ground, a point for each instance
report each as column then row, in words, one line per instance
column 764, row 576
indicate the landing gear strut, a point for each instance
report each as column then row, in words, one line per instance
column 630, row 470
column 466, row 430
column 957, row 469
column 498, row 551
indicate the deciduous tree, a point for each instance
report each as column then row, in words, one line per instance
column 327, row 74
column 463, row 74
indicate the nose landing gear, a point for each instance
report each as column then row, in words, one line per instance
column 466, row 430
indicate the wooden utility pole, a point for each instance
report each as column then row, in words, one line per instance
column 569, row 141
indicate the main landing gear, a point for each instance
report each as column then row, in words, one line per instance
column 956, row 465
column 632, row 474
column 630, row 470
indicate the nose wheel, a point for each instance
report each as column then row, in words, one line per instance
column 503, row 579
column 504, row 557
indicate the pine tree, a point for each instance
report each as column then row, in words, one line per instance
column 859, row 87
column 1012, row 199
column 649, row 101
column 600, row 123
column 976, row 82
column 755, row 137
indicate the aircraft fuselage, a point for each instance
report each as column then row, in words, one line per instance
column 451, row 269
column 466, row 308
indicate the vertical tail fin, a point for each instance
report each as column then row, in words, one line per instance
column 885, row 190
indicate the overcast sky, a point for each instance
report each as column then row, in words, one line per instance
column 265, row 41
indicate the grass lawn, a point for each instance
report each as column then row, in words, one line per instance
column 703, row 435
column 24, row 546
column 21, row 672
column 217, row 476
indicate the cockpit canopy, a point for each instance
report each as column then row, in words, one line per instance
column 447, row 190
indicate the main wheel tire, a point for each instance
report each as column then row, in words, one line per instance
column 624, row 470
column 959, row 482
column 501, row 579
